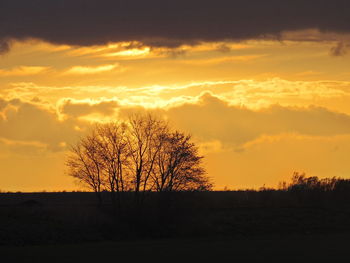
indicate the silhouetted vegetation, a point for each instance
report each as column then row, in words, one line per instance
column 300, row 182
column 306, row 206
column 140, row 155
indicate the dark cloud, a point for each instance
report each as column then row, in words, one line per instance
column 174, row 52
column 4, row 46
column 165, row 22
column 339, row 50
column 223, row 48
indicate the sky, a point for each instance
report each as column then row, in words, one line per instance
column 263, row 86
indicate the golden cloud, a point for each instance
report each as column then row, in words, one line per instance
column 23, row 71
column 82, row 70
column 252, row 94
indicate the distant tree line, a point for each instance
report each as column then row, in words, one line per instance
column 141, row 154
column 300, row 182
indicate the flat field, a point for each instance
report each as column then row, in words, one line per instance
column 242, row 225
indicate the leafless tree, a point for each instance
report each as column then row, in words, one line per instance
column 144, row 144
column 113, row 153
column 84, row 164
column 178, row 165
column 141, row 154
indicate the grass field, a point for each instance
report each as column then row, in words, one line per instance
column 307, row 249
column 242, row 225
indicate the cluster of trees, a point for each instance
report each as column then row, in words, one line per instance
column 140, row 154
column 300, row 182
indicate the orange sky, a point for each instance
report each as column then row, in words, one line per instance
column 259, row 110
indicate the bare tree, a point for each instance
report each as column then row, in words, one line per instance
column 178, row 165
column 113, row 153
column 144, row 146
column 85, row 165
column 140, row 154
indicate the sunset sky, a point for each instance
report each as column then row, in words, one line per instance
column 263, row 86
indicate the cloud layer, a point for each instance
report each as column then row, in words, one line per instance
column 213, row 119
column 164, row 23
column 209, row 119
column 24, row 123
column 243, row 147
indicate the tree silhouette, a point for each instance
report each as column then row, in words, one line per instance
column 178, row 165
column 85, row 164
column 144, row 142
column 140, row 154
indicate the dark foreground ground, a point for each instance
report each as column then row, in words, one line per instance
column 307, row 249
column 242, row 225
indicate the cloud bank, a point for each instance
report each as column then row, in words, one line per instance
column 235, row 140
column 164, row 22
column 234, row 126
column 210, row 119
